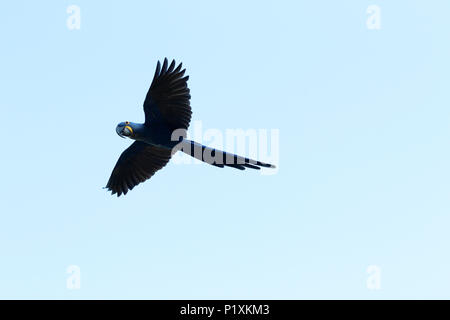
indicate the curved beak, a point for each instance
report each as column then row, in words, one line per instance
column 119, row 131
column 127, row 131
column 123, row 132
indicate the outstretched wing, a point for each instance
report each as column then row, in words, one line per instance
column 168, row 98
column 136, row 164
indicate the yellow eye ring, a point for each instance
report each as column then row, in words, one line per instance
column 127, row 122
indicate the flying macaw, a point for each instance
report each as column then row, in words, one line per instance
column 167, row 111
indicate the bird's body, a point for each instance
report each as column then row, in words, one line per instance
column 158, row 134
column 167, row 116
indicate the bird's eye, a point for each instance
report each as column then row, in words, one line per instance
column 127, row 122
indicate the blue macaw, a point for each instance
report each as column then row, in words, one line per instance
column 167, row 110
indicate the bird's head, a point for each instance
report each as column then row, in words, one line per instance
column 125, row 129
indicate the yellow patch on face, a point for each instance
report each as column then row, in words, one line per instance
column 129, row 128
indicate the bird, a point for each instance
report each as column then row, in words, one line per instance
column 167, row 111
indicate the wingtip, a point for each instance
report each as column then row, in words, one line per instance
column 172, row 66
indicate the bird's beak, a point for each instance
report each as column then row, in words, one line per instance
column 119, row 131
column 127, row 131
column 124, row 131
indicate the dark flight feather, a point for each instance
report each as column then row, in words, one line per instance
column 220, row 158
column 137, row 163
column 168, row 99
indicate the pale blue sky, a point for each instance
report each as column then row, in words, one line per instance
column 363, row 176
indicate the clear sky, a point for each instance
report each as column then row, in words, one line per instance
column 363, row 118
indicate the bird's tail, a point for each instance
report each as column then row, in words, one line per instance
column 219, row 158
